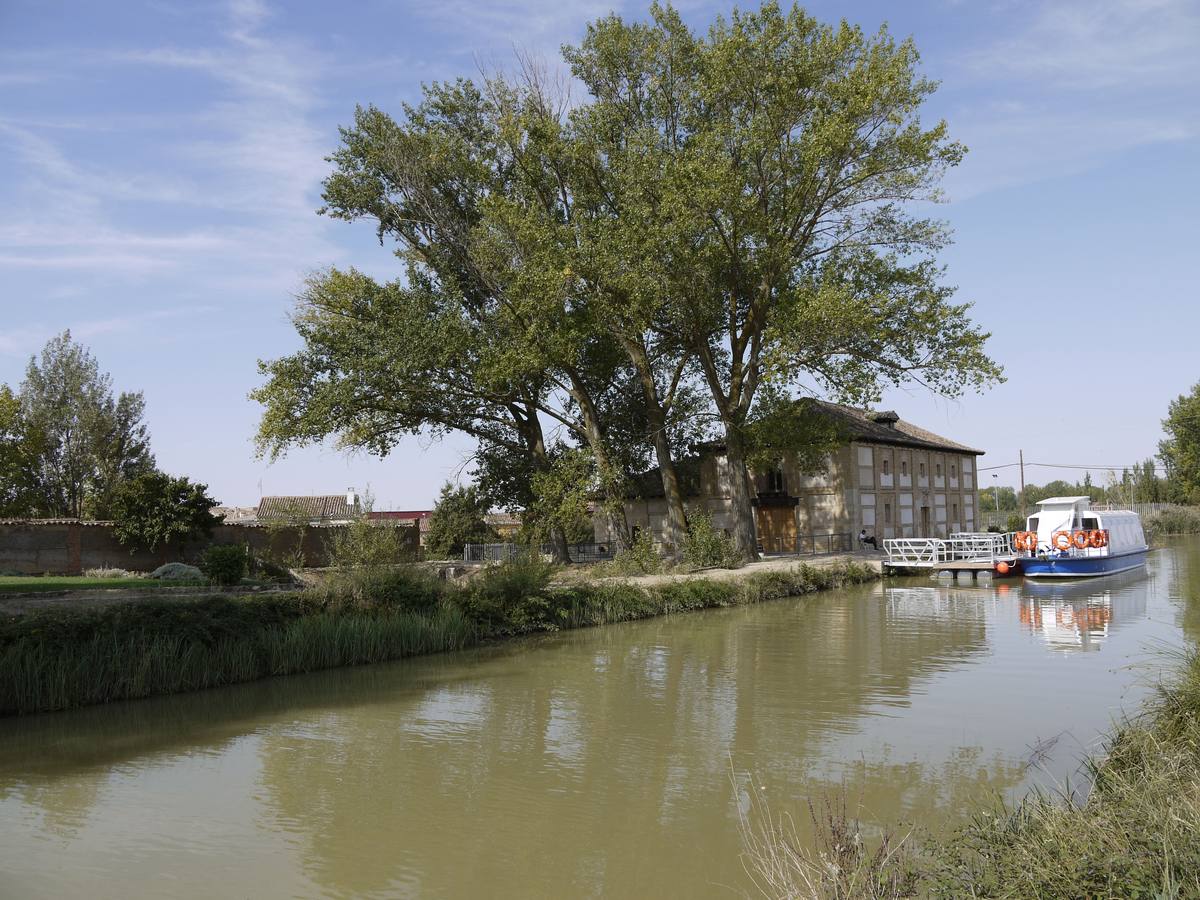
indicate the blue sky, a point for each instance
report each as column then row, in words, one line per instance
column 160, row 167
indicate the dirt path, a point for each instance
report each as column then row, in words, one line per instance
column 771, row 564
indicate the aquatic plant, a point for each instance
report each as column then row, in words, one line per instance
column 1135, row 834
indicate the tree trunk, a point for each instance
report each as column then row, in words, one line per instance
column 676, row 530
column 558, row 546
column 739, row 493
column 614, row 498
column 536, row 442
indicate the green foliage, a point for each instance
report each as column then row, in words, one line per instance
column 404, row 587
column 82, row 441
column 153, row 510
column 364, row 544
column 562, row 496
column 177, row 571
column 705, row 546
column 1180, row 452
column 225, row 564
column 457, row 520
column 1015, row 523
column 1174, row 520
column 510, row 598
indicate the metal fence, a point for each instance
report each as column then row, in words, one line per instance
column 808, row 544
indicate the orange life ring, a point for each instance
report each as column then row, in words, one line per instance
column 1028, row 541
column 1065, row 544
column 1098, row 539
column 1080, row 540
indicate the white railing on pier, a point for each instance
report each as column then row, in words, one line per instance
column 960, row 547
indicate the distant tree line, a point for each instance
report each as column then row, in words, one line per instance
column 71, row 448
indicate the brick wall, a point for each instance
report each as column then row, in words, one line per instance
column 66, row 547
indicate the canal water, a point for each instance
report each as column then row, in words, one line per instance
column 603, row 762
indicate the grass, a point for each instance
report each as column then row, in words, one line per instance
column 1137, row 833
column 38, row 583
column 59, row 658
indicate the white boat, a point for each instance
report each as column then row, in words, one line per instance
column 1069, row 538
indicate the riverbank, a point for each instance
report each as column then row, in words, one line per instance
column 1137, row 833
column 55, row 659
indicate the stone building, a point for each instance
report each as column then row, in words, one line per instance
column 889, row 477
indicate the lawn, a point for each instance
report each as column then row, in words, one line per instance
column 15, row 584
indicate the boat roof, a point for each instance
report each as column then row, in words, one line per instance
column 1062, row 501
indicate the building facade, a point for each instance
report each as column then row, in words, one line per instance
column 889, row 477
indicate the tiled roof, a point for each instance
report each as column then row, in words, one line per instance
column 501, row 519
column 321, row 508
column 419, row 516
column 873, row 426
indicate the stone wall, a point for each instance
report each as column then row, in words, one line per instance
column 68, row 547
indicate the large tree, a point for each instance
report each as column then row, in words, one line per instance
column 1180, row 452
column 773, row 167
column 83, row 440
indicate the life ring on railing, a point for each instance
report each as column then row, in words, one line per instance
column 1066, row 543
column 1098, row 539
column 1080, row 540
column 1025, row 540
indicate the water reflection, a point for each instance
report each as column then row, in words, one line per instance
column 588, row 763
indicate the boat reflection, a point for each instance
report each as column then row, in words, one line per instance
column 1067, row 615
column 1075, row 616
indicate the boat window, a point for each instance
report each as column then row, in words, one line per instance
column 1033, row 523
column 1091, row 524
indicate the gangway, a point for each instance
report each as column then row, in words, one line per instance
column 967, row 551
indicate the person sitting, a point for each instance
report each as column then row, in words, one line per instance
column 864, row 539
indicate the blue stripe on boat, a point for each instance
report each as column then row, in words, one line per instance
column 1082, row 566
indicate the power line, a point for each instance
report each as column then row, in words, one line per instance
column 1156, row 466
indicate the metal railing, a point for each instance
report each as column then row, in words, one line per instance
column 959, row 547
column 808, row 544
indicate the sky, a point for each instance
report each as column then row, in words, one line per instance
column 161, row 165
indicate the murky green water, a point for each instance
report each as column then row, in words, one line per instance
column 592, row 763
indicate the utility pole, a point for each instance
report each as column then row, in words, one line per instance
column 1022, row 455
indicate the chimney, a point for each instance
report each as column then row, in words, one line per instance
column 351, row 497
column 888, row 418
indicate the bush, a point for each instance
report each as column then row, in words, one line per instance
column 225, row 563
column 363, row 544
column 705, row 546
column 177, row 571
column 400, row 587
column 510, row 598
column 1016, row 522
column 1175, row 520
column 106, row 572
column 267, row 570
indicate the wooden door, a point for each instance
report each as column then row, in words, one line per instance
column 924, row 522
column 776, row 528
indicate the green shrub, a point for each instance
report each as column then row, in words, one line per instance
column 1174, row 520
column 177, row 571
column 510, row 598
column 705, row 546
column 399, row 587
column 225, row 563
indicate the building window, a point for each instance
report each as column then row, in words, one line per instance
column 955, row 505
column 887, row 514
column 886, row 469
column 922, row 473
column 939, row 470
column 775, row 480
column 904, row 467
column 953, row 471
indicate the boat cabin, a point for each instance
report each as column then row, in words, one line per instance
column 1069, row 525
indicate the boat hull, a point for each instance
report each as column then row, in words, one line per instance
column 1082, row 567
